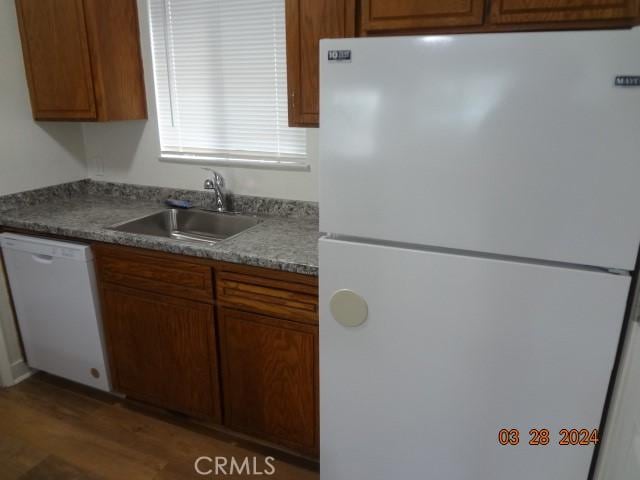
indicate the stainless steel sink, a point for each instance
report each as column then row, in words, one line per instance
column 193, row 225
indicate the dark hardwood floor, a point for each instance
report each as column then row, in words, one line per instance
column 52, row 429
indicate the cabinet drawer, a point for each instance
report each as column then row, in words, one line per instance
column 284, row 299
column 169, row 277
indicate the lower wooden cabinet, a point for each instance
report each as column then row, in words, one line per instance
column 253, row 367
column 162, row 350
column 270, row 378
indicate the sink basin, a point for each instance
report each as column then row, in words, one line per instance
column 193, row 225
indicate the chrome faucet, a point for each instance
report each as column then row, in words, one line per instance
column 216, row 183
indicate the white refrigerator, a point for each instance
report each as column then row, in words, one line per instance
column 480, row 198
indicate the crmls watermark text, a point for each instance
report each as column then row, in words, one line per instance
column 221, row 466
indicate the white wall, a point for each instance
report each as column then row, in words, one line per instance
column 32, row 154
column 129, row 152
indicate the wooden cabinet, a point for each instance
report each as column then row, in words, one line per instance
column 166, row 275
column 56, row 55
column 82, row 59
column 257, row 356
column 159, row 324
column 307, row 22
column 552, row 11
column 270, row 377
column 288, row 296
column 268, row 327
column 403, row 15
column 162, row 350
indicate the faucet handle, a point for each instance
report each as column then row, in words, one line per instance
column 216, row 178
column 216, row 183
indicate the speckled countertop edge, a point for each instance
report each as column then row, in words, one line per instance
column 286, row 243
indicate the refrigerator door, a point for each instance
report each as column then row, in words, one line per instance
column 516, row 144
column 455, row 349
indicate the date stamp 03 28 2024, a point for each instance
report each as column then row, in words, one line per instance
column 541, row 437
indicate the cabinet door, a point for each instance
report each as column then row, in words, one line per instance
column 269, row 374
column 162, row 350
column 114, row 43
column 547, row 11
column 308, row 21
column 56, row 57
column 383, row 15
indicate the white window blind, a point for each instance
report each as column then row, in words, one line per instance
column 221, row 90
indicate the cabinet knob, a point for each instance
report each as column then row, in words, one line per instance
column 348, row 308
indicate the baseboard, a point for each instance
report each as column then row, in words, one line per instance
column 21, row 371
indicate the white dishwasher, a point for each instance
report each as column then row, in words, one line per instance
column 56, row 300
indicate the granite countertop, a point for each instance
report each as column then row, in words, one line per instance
column 287, row 243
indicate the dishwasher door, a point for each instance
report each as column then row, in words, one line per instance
column 56, row 300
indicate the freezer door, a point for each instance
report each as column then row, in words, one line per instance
column 517, row 144
column 454, row 350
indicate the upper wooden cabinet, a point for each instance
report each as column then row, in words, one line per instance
column 551, row 11
column 307, row 22
column 82, row 59
column 385, row 15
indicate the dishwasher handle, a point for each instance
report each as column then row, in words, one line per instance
column 45, row 259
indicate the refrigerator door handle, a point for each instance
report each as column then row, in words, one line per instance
column 348, row 308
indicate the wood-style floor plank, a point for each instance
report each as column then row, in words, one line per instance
column 55, row 430
column 54, row 468
column 17, row 457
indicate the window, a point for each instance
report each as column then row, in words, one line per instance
column 221, row 90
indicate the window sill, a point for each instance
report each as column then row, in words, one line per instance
column 266, row 164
